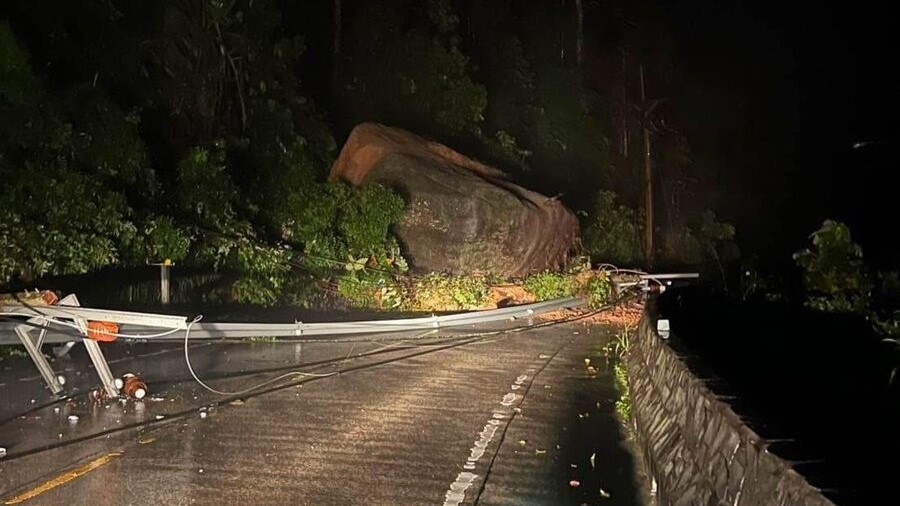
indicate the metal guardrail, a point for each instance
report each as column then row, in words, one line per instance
column 50, row 324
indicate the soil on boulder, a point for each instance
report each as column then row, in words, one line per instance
column 462, row 216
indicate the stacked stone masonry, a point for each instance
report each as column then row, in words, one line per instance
column 696, row 448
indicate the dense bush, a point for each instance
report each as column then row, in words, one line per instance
column 80, row 192
column 612, row 232
column 449, row 293
column 834, row 273
column 57, row 215
column 551, row 285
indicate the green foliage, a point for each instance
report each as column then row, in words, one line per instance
column 372, row 289
column 708, row 239
column 365, row 217
column 17, row 83
column 612, row 232
column 599, row 289
column 337, row 222
column 361, row 292
column 160, row 238
column 623, row 403
column 108, row 143
column 450, row 293
column 618, row 347
column 205, row 189
column 58, row 215
column 405, row 67
column 580, row 281
column 834, row 273
column 550, row 285
column 264, row 271
column 537, row 95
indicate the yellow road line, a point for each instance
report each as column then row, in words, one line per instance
column 63, row 479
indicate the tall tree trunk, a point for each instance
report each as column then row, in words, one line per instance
column 579, row 32
column 336, row 45
column 648, row 179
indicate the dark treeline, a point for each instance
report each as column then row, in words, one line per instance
column 203, row 130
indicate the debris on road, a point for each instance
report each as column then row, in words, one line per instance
column 133, row 386
column 98, row 396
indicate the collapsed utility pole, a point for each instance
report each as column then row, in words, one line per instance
column 648, row 176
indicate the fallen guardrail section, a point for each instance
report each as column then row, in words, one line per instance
column 697, row 450
column 44, row 320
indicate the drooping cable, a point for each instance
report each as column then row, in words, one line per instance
column 187, row 361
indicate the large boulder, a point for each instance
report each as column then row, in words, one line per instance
column 461, row 216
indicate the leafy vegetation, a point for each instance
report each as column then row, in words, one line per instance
column 551, row 285
column 596, row 286
column 837, row 280
column 132, row 132
column 616, row 350
column 834, row 273
column 239, row 188
column 612, row 232
column 599, row 290
column 623, row 403
column 448, row 293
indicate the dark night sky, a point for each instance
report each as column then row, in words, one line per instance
column 776, row 95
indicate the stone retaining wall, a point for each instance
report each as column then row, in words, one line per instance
column 696, row 448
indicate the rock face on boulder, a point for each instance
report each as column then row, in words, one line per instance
column 461, row 216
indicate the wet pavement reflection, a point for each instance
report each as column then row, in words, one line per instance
column 398, row 428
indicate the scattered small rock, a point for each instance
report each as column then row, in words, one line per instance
column 604, row 494
column 73, row 418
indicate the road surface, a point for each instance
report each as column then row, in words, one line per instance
column 510, row 420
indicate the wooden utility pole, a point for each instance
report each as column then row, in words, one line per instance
column 626, row 109
column 648, row 176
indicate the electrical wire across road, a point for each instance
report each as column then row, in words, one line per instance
column 276, row 384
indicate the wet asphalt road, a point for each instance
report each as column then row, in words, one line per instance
column 519, row 420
